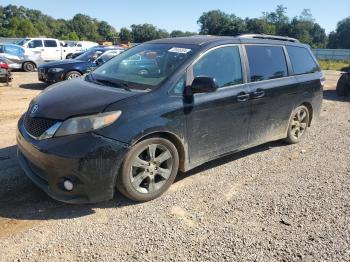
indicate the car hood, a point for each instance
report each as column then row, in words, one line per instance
column 62, row 63
column 75, row 97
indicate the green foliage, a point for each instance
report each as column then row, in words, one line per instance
column 23, row 22
column 125, row 35
column 179, row 33
column 340, row 37
column 333, row 64
column 304, row 28
column 216, row 22
column 146, row 32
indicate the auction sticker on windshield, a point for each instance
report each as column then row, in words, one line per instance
column 179, row 50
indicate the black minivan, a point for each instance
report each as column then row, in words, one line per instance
column 196, row 99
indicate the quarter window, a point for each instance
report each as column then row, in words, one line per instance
column 266, row 62
column 50, row 43
column 302, row 61
column 223, row 64
column 35, row 43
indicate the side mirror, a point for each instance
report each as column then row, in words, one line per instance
column 204, row 84
column 99, row 61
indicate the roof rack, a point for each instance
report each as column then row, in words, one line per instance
column 271, row 37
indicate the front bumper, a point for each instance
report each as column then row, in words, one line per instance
column 90, row 161
column 49, row 77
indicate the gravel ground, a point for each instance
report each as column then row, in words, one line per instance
column 274, row 202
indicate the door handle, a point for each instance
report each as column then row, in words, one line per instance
column 242, row 97
column 258, row 93
column 43, row 49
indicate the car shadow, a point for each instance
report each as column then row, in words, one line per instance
column 230, row 158
column 20, row 199
column 34, row 86
column 332, row 96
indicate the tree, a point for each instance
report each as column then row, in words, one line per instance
column 22, row 22
column 125, row 35
column 340, row 37
column 162, row 33
column 179, row 33
column 216, row 22
column 143, row 33
column 70, row 36
column 259, row 26
column 106, row 31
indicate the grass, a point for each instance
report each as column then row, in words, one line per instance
column 333, row 64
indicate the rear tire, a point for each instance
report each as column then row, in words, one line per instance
column 69, row 56
column 148, row 170
column 298, row 125
column 72, row 75
column 29, row 67
column 343, row 86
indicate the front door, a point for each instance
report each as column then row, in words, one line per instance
column 217, row 122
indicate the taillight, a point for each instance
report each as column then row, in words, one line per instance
column 4, row 65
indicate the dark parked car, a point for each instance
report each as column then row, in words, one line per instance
column 81, row 139
column 343, row 85
column 73, row 68
column 75, row 55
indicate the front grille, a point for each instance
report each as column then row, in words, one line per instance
column 36, row 126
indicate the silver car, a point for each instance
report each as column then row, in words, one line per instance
column 16, row 57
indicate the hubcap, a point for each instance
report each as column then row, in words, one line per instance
column 299, row 123
column 72, row 76
column 151, row 168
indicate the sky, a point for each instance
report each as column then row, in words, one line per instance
column 183, row 14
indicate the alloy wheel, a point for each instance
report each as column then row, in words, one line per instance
column 151, row 168
column 299, row 123
column 73, row 76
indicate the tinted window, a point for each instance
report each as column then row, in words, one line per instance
column 50, row 43
column 223, row 64
column 180, row 86
column 266, row 62
column 35, row 43
column 302, row 61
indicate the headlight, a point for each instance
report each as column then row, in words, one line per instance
column 85, row 124
column 56, row 70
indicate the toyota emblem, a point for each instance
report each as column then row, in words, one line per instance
column 34, row 109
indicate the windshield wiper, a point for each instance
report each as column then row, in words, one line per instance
column 121, row 84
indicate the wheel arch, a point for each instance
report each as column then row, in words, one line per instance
column 173, row 139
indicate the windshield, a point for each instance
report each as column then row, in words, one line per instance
column 89, row 55
column 145, row 66
column 22, row 41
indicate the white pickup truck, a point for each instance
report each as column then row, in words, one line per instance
column 49, row 48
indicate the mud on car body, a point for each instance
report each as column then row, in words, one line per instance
column 201, row 98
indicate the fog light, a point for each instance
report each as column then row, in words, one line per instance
column 68, row 185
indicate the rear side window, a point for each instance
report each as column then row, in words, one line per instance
column 266, row 62
column 302, row 61
column 50, row 43
column 223, row 64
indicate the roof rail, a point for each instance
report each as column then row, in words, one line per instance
column 271, row 37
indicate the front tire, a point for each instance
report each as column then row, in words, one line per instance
column 29, row 67
column 149, row 169
column 343, row 86
column 72, row 75
column 298, row 124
